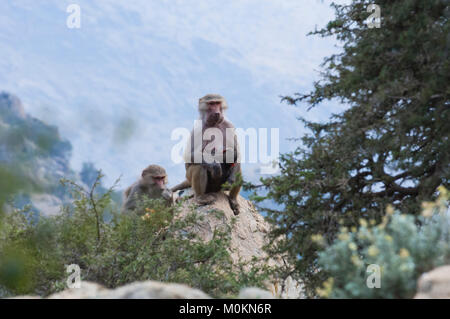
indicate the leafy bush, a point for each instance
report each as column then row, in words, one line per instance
column 402, row 246
column 153, row 243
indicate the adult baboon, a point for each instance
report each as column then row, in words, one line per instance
column 211, row 162
column 152, row 184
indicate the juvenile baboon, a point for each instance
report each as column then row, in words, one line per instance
column 152, row 184
column 206, row 176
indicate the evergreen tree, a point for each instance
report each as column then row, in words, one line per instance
column 390, row 146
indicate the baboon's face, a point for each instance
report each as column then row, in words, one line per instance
column 214, row 113
column 155, row 182
column 159, row 181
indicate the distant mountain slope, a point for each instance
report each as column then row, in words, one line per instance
column 37, row 151
column 28, row 139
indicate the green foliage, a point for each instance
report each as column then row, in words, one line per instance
column 392, row 145
column 89, row 175
column 13, row 181
column 153, row 243
column 26, row 251
column 403, row 248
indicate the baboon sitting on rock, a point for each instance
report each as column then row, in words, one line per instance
column 210, row 163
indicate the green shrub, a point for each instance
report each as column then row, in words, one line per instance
column 402, row 246
column 153, row 243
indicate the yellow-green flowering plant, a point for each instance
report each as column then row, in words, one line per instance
column 402, row 246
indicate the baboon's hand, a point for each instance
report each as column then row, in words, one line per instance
column 215, row 169
column 167, row 194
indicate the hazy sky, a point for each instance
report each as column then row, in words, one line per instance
column 118, row 86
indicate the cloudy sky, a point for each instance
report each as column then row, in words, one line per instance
column 118, row 86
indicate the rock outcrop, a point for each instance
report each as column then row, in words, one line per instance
column 145, row 290
column 248, row 236
column 249, row 231
column 434, row 284
column 135, row 290
column 255, row 293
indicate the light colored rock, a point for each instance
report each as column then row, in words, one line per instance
column 434, row 284
column 246, row 240
column 253, row 226
column 248, row 237
column 255, row 293
column 87, row 290
column 154, row 290
column 136, row 290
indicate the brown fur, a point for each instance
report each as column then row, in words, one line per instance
column 146, row 186
column 207, row 178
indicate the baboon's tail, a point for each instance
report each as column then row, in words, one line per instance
column 181, row 186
